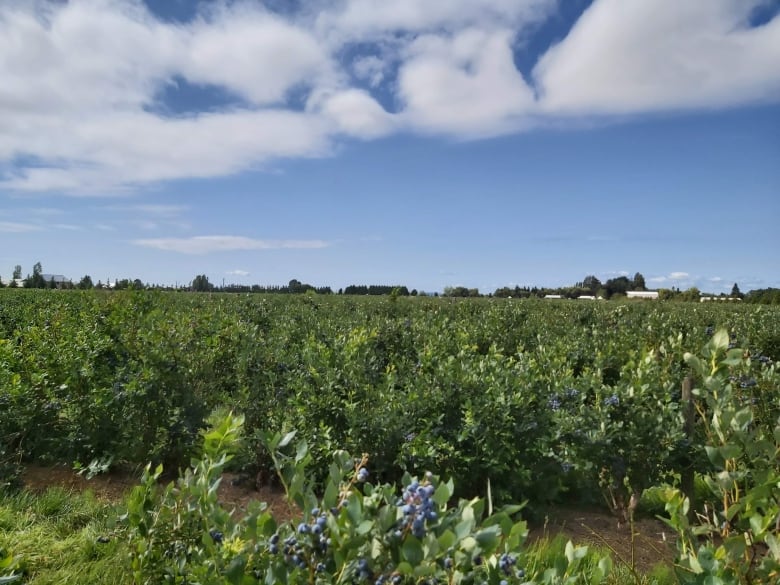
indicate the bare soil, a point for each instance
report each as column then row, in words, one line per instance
column 652, row 542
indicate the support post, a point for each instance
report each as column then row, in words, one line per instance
column 687, row 474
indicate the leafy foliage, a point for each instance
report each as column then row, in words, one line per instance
column 357, row 531
column 737, row 538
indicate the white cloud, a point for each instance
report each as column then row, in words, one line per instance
column 253, row 52
column 18, row 228
column 135, row 148
column 367, row 19
column 156, row 209
column 371, row 68
column 207, row 244
column 465, row 84
column 679, row 276
column 82, row 80
column 354, row 112
column 649, row 55
column 238, row 272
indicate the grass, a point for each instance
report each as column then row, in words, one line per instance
column 545, row 551
column 54, row 538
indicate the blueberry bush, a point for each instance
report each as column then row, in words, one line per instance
column 357, row 531
column 542, row 401
column 736, row 537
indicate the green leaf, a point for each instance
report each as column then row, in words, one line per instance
column 720, row 340
column 443, row 493
column 487, row 538
column 569, row 552
column 446, row 540
column 773, row 542
column 412, row 551
column 235, row 570
column 286, row 439
column 302, row 450
column 605, row 564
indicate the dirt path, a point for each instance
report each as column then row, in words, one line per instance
column 652, row 541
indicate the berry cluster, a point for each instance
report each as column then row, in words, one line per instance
column 417, row 507
column 315, row 542
column 506, row 563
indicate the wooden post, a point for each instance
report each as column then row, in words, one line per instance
column 687, row 474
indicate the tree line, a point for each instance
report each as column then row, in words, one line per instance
column 613, row 288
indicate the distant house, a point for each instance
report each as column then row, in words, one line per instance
column 586, row 298
column 642, row 294
column 553, row 296
column 57, row 279
column 705, row 299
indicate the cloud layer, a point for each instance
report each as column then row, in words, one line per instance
column 82, row 106
column 207, row 244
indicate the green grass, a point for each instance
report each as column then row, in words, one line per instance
column 53, row 538
column 545, row 551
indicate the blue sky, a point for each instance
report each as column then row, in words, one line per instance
column 481, row 143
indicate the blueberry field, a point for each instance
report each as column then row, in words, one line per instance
column 469, row 406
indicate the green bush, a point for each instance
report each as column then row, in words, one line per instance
column 355, row 531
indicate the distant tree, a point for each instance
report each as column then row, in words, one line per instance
column 591, row 283
column 36, row 280
column 201, row 283
column 85, row 283
column 693, row 294
column 735, row 292
column 639, row 282
column 617, row 286
column 764, row 296
column 138, row 284
column 17, row 272
column 414, row 292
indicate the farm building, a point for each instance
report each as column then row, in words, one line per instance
column 642, row 294
column 706, row 299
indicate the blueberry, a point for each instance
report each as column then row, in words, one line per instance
column 216, row 536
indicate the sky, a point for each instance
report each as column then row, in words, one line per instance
column 436, row 143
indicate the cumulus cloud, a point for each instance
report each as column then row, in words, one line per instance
column 207, row 244
column 650, row 55
column 84, row 82
column 238, row 272
column 463, row 84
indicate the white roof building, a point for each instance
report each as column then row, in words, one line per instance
column 642, row 294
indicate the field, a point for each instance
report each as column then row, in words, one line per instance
column 540, row 402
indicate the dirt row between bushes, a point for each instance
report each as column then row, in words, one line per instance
column 653, row 542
